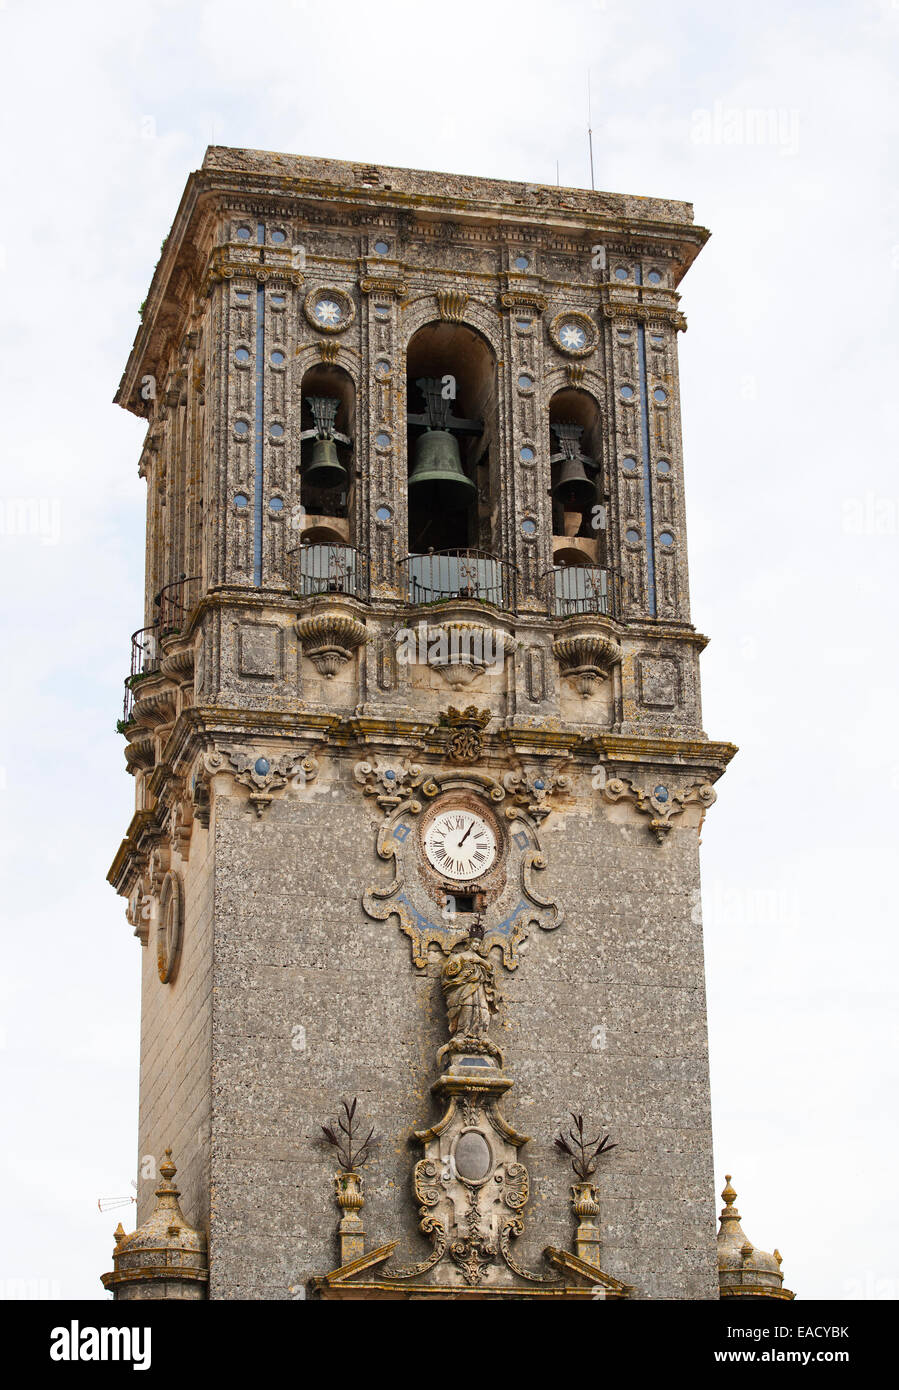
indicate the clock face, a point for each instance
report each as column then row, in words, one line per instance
column 460, row 844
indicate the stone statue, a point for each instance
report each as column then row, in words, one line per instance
column 469, row 990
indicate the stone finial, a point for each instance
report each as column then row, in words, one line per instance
column 729, row 1211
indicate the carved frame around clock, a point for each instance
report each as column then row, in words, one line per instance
column 490, row 883
column 411, row 895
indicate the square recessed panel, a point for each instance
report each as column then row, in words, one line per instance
column 658, row 680
column 259, row 648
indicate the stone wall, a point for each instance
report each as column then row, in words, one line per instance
column 605, row 1015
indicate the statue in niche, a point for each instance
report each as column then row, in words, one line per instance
column 469, row 990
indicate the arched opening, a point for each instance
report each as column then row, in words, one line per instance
column 327, row 421
column 451, row 433
column 326, row 561
column 577, row 483
column 580, row 581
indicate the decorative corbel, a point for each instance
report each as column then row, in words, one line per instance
column 329, row 640
column 587, row 658
column 451, row 304
column 660, row 804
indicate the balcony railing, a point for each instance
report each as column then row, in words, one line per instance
column 577, row 589
column 328, row 569
column 144, row 662
column 173, row 605
column 175, row 602
column 440, row 575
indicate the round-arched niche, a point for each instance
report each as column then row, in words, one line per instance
column 460, row 359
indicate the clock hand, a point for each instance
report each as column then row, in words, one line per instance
column 466, row 835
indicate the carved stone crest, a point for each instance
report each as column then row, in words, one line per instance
column 467, row 727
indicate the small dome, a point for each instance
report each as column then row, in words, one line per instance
column 165, row 1248
column 743, row 1270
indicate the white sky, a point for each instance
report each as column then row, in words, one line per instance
column 788, row 376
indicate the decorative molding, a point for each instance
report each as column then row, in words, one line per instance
column 513, row 904
column 524, row 299
column 579, row 321
column 221, row 267
column 340, row 297
column 392, row 783
column 383, row 284
column 660, row 804
column 532, row 788
column 646, row 314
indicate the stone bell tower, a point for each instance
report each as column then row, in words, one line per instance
column 414, row 721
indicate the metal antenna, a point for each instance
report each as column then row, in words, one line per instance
column 590, row 131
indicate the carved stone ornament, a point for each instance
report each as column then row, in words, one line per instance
column 329, row 640
column 471, row 1186
column 169, row 928
column 467, row 726
column 660, row 804
column 329, row 309
column 425, row 915
column 451, row 305
column 462, row 651
column 532, row 788
column 574, row 333
column 261, row 774
column 587, row 658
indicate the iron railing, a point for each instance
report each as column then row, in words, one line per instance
column 440, row 575
column 173, row 604
column 144, row 662
column 330, row 568
column 576, row 589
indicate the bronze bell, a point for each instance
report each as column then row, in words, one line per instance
column 324, row 469
column 438, row 472
column 574, row 489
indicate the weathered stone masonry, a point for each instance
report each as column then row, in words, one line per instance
column 285, row 754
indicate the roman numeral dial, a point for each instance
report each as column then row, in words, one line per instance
column 460, row 844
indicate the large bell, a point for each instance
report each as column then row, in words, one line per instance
column 438, row 474
column 324, row 469
column 574, row 489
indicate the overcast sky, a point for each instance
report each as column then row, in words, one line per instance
column 779, row 123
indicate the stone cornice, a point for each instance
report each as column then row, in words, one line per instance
column 635, row 749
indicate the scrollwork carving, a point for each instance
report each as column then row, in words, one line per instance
column 660, row 804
